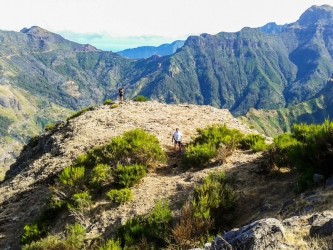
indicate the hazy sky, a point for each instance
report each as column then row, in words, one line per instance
column 118, row 24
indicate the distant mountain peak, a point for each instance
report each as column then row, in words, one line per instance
column 316, row 13
column 35, row 30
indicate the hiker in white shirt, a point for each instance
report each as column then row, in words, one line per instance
column 177, row 139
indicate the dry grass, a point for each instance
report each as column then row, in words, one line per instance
column 299, row 239
column 189, row 230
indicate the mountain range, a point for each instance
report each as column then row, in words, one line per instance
column 148, row 51
column 44, row 77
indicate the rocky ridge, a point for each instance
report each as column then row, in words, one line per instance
column 24, row 193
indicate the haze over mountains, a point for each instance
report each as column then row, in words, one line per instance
column 148, row 51
column 44, row 76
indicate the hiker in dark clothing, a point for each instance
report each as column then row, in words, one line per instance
column 121, row 92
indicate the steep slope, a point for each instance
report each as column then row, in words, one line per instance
column 24, row 193
column 273, row 122
column 148, row 51
column 264, row 68
column 271, row 67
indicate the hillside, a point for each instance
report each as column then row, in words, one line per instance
column 271, row 67
column 274, row 122
column 25, row 192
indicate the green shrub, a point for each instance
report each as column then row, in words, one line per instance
column 48, row 243
column 75, row 236
column 111, row 245
column 136, row 147
column 120, row 196
column 281, row 149
column 113, row 106
column 140, row 98
column 217, row 135
column 108, row 102
column 32, row 233
column 254, row 142
column 159, row 221
column 214, row 200
column 127, row 176
column 78, row 113
column 155, row 227
column 198, row 155
column 308, row 149
column 133, row 147
column 72, row 176
column 100, row 175
column 50, row 127
column 80, row 201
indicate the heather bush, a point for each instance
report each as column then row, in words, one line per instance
column 254, row 142
column 140, row 98
column 128, row 176
column 72, row 176
column 32, row 232
column 120, row 196
column 108, row 102
column 80, row 112
column 154, row 228
column 217, row 135
column 111, row 245
column 214, row 200
column 198, row 155
column 100, row 175
column 75, row 236
column 136, row 147
column 80, row 201
column 308, row 149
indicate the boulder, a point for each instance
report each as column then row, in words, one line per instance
column 321, row 225
column 263, row 234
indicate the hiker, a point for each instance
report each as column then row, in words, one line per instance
column 177, row 139
column 121, row 92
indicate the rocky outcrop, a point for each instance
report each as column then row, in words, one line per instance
column 263, row 234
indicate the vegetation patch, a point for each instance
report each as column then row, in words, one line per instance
column 140, row 98
column 128, row 176
column 82, row 111
column 307, row 149
column 120, row 196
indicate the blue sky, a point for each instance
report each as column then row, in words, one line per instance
column 119, row 24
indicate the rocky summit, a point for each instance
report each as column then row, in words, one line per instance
column 25, row 192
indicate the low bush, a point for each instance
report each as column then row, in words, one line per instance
column 136, row 147
column 111, row 245
column 100, row 175
column 217, row 135
column 50, row 127
column 254, row 142
column 78, row 113
column 48, row 243
column 154, row 228
column 198, row 155
column 74, row 240
column 128, row 176
column 108, row 102
column 120, row 196
column 308, row 149
column 80, row 201
column 31, row 233
column 214, row 200
column 210, row 211
column 72, row 176
column 113, row 106
column 140, row 98
column 75, row 236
